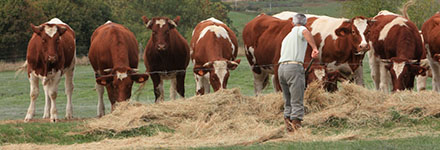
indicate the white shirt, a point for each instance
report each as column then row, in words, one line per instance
column 294, row 45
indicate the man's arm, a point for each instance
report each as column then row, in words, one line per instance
column 309, row 38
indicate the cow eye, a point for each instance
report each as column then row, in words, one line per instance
column 353, row 32
column 44, row 41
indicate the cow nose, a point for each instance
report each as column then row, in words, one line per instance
column 51, row 59
column 161, row 46
column 364, row 47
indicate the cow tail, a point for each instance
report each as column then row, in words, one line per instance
column 21, row 69
column 404, row 10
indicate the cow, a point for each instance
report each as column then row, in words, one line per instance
column 166, row 56
column 341, row 42
column 50, row 55
column 431, row 35
column 214, row 49
column 397, row 49
column 114, row 56
column 327, row 77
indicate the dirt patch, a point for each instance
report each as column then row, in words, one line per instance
column 229, row 118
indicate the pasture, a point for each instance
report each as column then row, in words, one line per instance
column 353, row 118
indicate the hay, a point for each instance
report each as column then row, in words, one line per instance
column 229, row 118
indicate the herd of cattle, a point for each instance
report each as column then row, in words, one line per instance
column 396, row 50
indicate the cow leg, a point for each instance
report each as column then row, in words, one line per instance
column 359, row 76
column 435, row 68
column 385, row 78
column 68, row 83
column 100, row 107
column 47, row 103
column 158, row 87
column 421, row 82
column 173, row 87
column 260, row 82
column 52, row 87
column 180, row 77
column 275, row 80
column 34, row 91
column 374, row 68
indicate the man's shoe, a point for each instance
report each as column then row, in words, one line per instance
column 288, row 124
column 296, row 124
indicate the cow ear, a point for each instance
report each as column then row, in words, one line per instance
column 233, row 64
column 342, row 31
column 173, row 23
column 418, row 70
column 139, row 77
column 147, row 22
column 62, row 30
column 200, row 71
column 36, row 29
column 104, row 80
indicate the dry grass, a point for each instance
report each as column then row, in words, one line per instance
column 10, row 66
column 229, row 118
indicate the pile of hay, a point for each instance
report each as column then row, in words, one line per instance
column 229, row 118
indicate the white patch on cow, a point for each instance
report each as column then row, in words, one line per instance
column 386, row 12
column 319, row 73
column 396, row 21
column 251, row 51
column 326, row 26
column 55, row 21
column 361, row 25
column 285, row 15
column 121, row 75
column 108, row 22
column 161, row 22
column 398, row 68
column 202, row 82
column 213, row 20
column 50, row 31
column 220, row 68
column 219, row 32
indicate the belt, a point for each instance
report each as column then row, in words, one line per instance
column 291, row 62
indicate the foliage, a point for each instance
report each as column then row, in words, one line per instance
column 15, row 17
column 84, row 16
column 418, row 13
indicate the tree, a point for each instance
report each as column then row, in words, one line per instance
column 15, row 30
column 418, row 13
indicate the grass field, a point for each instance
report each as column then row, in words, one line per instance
column 14, row 101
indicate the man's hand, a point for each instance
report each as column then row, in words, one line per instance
column 315, row 53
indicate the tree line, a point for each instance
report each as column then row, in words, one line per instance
column 84, row 16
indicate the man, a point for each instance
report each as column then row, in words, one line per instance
column 291, row 71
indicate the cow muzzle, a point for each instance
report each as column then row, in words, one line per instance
column 52, row 59
column 161, row 46
column 363, row 47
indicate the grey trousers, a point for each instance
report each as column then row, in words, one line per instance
column 292, row 81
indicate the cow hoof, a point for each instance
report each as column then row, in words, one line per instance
column 46, row 116
column 68, row 117
column 27, row 119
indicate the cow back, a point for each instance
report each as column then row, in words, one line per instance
column 213, row 40
column 113, row 45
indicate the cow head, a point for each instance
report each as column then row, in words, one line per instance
column 120, row 81
column 50, row 35
column 218, row 72
column 403, row 72
column 161, row 28
column 357, row 31
column 328, row 77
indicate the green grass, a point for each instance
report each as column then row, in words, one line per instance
column 414, row 143
column 14, row 92
column 65, row 133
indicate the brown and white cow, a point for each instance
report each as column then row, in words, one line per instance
column 114, row 56
column 50, row 54
column 397, row 49
column 341, row 42
column 214, row 49
column 166, row 56
column 431, row 36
